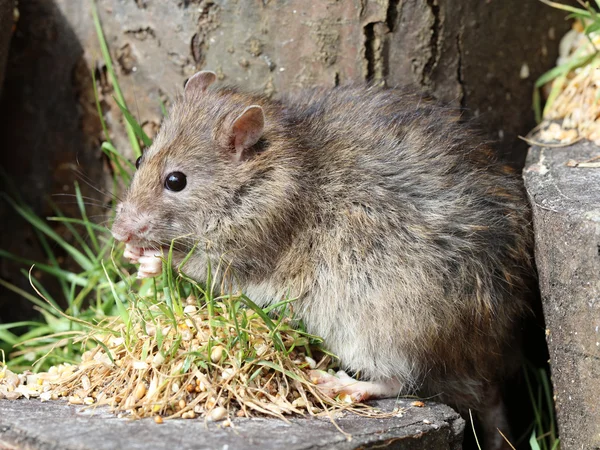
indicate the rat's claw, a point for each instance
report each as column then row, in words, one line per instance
column 150, row 263
column 357, row 391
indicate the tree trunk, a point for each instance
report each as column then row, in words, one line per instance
column 481, row 55
column 6, row 23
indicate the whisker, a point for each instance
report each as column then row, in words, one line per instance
column 87, row 180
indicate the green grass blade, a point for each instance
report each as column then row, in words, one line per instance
column 32, row 298
column 137, row 129
column 99, row 108
column 39, row 286
column 568, row 8
column 118, row 302
column 549, row 403
column 113, row 77
column 75, row 221
column 270, row 324
column 557, row 87
column 278, row 368
column 86, row 220
column 563, row 69
column 533, row 443
column 61, row 274
column 52, row 258
column 42, row 226
column 76, row 235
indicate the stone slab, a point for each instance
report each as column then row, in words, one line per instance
column 33, row 425
column 566, row 219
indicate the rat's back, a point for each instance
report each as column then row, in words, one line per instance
column 422, row 247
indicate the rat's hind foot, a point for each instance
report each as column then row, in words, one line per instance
column 358, row 391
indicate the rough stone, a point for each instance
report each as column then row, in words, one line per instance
column 6, row 22
column 469, row 52
column 31, row 425
column 466, row 52
column 566, row 219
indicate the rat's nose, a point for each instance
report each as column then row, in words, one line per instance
column 121, row 235
column 120, row 230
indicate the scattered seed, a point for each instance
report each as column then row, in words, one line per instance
column 85, row 382
column 140, row 365
column 311, row 362
column 139, row 391
column 158, row 419
column 190, row 309
column 418, row 404
column 216, row 353
column 75, row 400
column 219, row 413
column 158, row 359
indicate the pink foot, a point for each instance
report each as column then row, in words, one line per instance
column 358, row 391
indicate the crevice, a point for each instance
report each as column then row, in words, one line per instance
column 369, row 30
column 207, row 21
column 433, row 42
column 459, row 71
column 392, row 14
column 336, row 79
column 377, row 43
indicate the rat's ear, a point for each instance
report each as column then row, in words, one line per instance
column 200, row 80
column 244, row 132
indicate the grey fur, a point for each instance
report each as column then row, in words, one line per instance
column 407, row 245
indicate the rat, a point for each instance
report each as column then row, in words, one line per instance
column 405, row 243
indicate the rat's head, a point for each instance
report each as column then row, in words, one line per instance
column 188, row 180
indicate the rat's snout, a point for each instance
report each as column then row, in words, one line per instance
column 129, row 226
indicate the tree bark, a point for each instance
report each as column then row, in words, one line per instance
column 474, row 54
column 6, row 22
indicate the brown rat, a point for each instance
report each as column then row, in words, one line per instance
column 406, row 245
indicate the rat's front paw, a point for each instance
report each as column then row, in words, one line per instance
column 150, row 263
column 149, row 260
column 133, row 253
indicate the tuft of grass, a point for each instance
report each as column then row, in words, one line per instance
column 587, row 18
column 544, row 433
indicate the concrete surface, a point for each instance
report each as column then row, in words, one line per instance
column 566, row 218
column 32, row 425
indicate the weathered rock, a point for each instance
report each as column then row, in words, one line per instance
column 56, row 425
column 483, row 56
column 566, row 218
column 6, row 22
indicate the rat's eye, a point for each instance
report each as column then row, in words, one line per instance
column 137, row 162
column 175, row 181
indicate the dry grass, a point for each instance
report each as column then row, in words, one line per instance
column 572, row 109
column 199, row 356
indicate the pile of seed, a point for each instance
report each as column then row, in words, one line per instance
column 573, row 111
column 212, row 363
